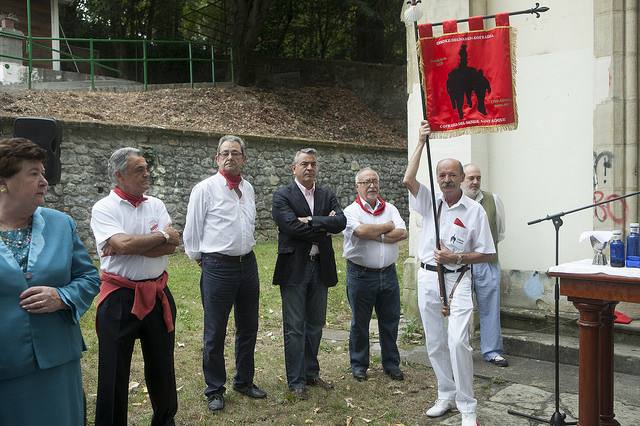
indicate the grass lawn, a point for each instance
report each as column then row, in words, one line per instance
column 376, row 401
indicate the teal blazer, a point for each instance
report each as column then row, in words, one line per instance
column 57, row 258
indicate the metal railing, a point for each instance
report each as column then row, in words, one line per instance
column 101, row 63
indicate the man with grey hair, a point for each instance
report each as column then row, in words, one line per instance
column 306, row 215
column 374, row 228
column 465, row 239
column 134, row 235
column 486, row 276
column 219, row 235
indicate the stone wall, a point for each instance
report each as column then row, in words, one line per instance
column 180, row 159
column 382, row 87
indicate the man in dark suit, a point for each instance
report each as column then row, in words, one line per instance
column 306, row 215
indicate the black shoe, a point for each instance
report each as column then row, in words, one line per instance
column 395, row 374
column 216, row 402
column 317, row 381
column 300, row 394
column 252, row 391
column 360, row 376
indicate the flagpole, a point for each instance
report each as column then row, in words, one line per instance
column 535, row 10
column 439, row 269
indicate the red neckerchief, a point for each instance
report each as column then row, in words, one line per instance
column 233, row 182
column 376, row 212
column 134, row 200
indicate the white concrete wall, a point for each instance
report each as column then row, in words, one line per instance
column 546, row 165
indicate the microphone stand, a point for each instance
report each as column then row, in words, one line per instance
column 558, row 418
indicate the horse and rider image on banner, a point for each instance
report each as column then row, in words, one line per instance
column 469, row 78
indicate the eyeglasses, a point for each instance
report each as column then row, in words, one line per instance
column 374, row 182
column 234, row 154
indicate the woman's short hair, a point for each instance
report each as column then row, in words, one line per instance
column 14, row 151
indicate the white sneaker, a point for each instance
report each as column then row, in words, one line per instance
column 469, row 419
column 440, row 408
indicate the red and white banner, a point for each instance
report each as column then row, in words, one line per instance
column 468, row 78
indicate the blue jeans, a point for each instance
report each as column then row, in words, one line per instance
column 304, row 312
column 366, row 290
column 486, row 285
column 225, row 284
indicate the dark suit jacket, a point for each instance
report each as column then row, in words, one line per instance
column 296, row 238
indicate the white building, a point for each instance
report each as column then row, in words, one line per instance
column 577, row 138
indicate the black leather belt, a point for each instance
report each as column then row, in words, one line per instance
column 445, row 270
column 227, row 258
column 366, row 269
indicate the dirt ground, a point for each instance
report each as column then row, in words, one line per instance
column 312, row 112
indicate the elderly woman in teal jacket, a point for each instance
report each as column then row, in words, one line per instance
column 47, row 281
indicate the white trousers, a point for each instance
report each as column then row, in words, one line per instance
column 447, row 339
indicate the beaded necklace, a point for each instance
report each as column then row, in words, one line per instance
column 18, row 241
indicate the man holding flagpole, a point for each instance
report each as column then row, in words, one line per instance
column 465, row 239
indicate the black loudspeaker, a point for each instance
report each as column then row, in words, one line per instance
column 47, row 133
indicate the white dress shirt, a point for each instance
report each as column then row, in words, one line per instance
column 464, row 227
column 113, row 215
column 500, row 221
column 218, row 220
column 369, row 253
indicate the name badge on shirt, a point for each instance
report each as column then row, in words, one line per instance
column 458, row 240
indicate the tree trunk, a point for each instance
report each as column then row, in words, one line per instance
column 369, row 37
column 247, row 21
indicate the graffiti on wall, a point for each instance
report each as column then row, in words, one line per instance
column 602, row 172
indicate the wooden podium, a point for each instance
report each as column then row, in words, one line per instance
column 595, row 296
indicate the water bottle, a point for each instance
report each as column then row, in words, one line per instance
column 616, row 248
column 633, row 246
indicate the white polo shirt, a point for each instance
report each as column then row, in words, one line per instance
column 464, row 227
column 113, row 215
column 370, row 253
column 218, row 221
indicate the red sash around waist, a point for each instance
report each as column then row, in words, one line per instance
column 144, row 299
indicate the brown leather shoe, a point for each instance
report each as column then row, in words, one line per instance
column 318, row 381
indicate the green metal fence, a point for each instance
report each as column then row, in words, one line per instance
column 103, row 63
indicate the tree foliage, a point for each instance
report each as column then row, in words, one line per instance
column 361, row 30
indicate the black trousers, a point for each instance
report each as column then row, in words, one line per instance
column 226, row 284
column 118, row 330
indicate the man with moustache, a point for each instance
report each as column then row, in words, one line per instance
column 465, row 239
column 134, row 236
column 219, row 235
column 306, row 215
column 374, row 228
column 486, row 276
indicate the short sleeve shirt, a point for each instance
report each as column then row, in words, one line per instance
column 464, row 227
column 370, row 253
column 113, row 215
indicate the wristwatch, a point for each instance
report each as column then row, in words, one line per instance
column 165, row 235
